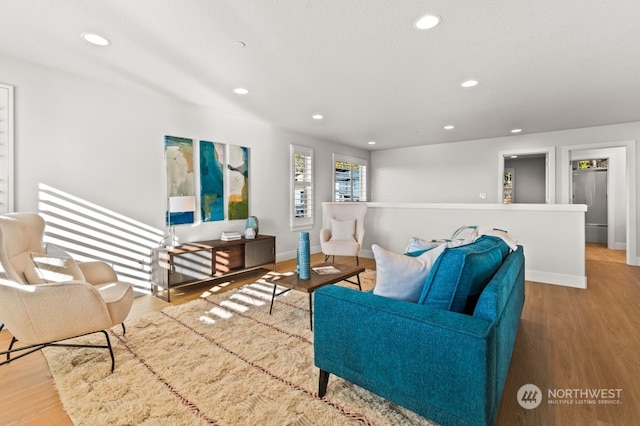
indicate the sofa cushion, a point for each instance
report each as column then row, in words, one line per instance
column 43, row 268
column 509, row 239
column 461, row 273
column 402, row 277
column 343, row 230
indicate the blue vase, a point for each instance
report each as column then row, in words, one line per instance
column 253, row 222
column 304, row 266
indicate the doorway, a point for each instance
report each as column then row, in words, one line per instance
column 589, row 186
column 525, row 179
column 621, row 189
column 527, row 176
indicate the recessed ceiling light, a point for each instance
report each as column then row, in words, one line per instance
column 449, row 127
column 469, row 83
column 371, row 142
column 516, row 130
column 427, row 22
column 239, row 44
column 240, row 91
column 317, row 116
column 96, row 39
column 514, row 156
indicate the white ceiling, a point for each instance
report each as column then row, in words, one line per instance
column 543, row 65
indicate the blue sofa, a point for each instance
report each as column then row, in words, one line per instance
column 446, row 361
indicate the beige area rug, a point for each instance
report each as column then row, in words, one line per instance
column 221, row 360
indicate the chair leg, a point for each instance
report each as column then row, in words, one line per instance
column 124, row 330
column 26, row 350
column 322, row 383
column 357, row 261
column 13, row 341
column 113, row 359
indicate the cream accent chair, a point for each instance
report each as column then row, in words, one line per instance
column 41, row 315
column 342, row 231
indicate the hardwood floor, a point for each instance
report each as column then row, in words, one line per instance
column 568, row 339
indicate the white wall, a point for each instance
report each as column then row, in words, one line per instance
column 458, row 172
column 104, row 143
column 552, row 234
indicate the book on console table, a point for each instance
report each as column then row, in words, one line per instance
column 326, row 270
column 230, row 236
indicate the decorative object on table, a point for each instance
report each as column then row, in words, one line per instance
column 230, row 236
column 180, row 207
column 253, row 222
column 212, row 181
column 304, row 266
column 326, row 270
column 180, row 192
column 250, row 234
column 238, row 182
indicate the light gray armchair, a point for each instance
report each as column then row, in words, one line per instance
column 45, row 299
column 342, row 230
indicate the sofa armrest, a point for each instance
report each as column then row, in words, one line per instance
column 98, row 272
column 325, row 235
column 437, row 363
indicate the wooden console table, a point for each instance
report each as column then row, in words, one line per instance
column 203, row 261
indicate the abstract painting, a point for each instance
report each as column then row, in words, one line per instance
column 238, row 182
column 211, row 181
column 178, row 157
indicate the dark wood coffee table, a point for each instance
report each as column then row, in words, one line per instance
column 293, row 282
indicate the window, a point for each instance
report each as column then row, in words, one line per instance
column 6, row 148
column 349, row 178
column 301, row 188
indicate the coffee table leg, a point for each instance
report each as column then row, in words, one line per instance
column 310, row 311
column 359, row 286
column 273, row 296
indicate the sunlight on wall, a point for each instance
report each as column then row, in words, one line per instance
column 90, row 232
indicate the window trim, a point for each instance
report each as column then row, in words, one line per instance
column 352, row 160
column 7, row 151
column 305, row 223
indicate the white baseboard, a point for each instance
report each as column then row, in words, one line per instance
column 575, row 281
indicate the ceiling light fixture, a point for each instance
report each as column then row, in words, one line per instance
column 371, row 142
column 317, row 116
column 240, row 91
column 449, row 127
column 469, row 83
column 516, row 130
column 239, row 44
column 95, row 39
column 427, row 22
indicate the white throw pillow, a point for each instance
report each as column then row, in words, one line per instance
column 42, row 269
column 417, row 244
column 343, row 230
column 402, row 277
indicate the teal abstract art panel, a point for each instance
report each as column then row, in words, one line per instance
column 211, row 181
column 178, row 156
column 238, row 182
